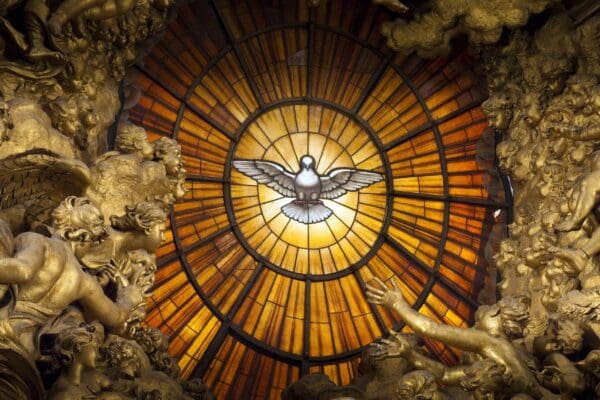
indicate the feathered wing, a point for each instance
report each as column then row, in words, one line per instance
column 39, row 180
column 306, row 213
column 342, row 180
column 269, row 173
column 581, row 304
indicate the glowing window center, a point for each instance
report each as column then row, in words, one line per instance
column 308, row 198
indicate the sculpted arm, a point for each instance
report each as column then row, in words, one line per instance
column 109, row 313
column 93, row 9
column 450, row 376
column 397, row 345
column 27, row 261
column 466, row 339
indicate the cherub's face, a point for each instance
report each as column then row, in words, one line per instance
column 90, row 217
column 144, row 264
column 155, row 237
column 172, row 163
column 576, row 96
column 487, row 318
column 146, row 149
column 70, row 126
column 533, row 111
column 89, row 355
column 498, row 112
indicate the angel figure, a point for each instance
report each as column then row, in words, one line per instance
column 132, row 374
column 94, row 10
column 168, row 153
column 584, row 199
column 142, row 227
column 583, row 305
column 485, row 339
column 117, row 179
column 128, row 177
column 77, row 351
column 48, row 177
column 47, row 277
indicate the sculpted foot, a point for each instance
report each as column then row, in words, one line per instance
column 567, row 225
column 41, row 54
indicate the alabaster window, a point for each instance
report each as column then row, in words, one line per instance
column 253, row 298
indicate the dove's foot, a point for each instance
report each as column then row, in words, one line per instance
column 41, row 54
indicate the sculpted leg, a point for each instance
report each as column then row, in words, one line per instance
column 68, row 10
column 36, row 12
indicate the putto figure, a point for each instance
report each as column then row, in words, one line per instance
column 307, row 186
column 46, row 276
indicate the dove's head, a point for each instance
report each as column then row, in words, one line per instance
column 307, row 162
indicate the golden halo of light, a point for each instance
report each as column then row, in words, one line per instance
column 283, row 135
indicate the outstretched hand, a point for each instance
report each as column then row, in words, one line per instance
column 130, row 296
column 383, row 295
column 395, row 345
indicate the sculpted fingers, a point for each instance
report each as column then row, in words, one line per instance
column 380, row 282
column 374, row 299
column 373, row 290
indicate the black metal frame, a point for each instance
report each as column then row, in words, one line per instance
column 304, row 361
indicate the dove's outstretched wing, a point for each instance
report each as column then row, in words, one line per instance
column 582, row 304
column 269, row 173
column 342, row 180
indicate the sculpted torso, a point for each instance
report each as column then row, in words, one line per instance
column 58, row 279
column 504, row 353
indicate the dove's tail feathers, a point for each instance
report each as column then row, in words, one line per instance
column 305, row 212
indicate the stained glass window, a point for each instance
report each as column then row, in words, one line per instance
column 254, row 299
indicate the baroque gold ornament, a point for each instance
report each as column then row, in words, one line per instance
column 79, row 226
column 540, row 339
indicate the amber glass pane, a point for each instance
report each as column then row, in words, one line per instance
column 238, row 372
column 277, row 61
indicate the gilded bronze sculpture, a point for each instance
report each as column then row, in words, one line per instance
column 539, row 340
column 79, row 226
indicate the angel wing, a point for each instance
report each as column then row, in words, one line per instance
column 342, row 180
column 39, row 180
column 269, row 173
column 582, row 304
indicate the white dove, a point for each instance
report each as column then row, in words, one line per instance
column 307, row 186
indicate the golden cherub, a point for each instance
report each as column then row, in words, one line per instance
column 486, row 340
